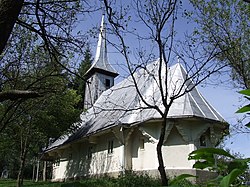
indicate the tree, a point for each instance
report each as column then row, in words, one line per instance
column 31, row 122
column 51, row 21
column 224, row 25
column 159, row 18
column 79, row 84
column 50, row 118
column 47, row 117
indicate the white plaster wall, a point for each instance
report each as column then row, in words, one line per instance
column 176, row 150
column 59, row 170
column 143, row 159
column 102, row 162
column 80, row 165
column 175, row 153
column 176, row 156
column 147, row 158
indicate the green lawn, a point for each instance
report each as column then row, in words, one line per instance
column 12, row 183
column 102, row 182
column 82, row 183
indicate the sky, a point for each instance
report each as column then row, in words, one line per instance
column 222, row 97
column 226, row 101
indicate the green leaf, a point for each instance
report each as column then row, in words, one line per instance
column 244, row 109
column 245, row 92
column 241, row 164
column 229, row 179
column 203, row 152
column 203, row 165
column 205, row 157
column 179, row 178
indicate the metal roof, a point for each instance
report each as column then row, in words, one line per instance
column 121, row 104
column 101, row 59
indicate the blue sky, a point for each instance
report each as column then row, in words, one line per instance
column 226, row 101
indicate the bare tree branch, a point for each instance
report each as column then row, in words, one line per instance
column 18, row 94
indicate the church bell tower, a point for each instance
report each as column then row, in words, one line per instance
column 101, row 74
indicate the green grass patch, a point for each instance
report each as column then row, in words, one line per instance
column 130, row 180
column 12, row 183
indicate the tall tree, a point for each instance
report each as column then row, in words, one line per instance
column 52, row 22
column 224, row 25
column 78, row 83
column 32, row 122
column 155, row 29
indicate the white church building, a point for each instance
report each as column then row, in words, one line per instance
column 118, row 133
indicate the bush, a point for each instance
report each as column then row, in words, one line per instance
column 131, row 179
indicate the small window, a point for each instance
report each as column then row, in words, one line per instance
column 203, row 140
column 110, row 146
column 90, row 152
column 107, row 83
column 57, row 162
column 142, row 142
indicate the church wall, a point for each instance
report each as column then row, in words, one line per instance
column 91, row 91
column 60, row 165
column 86, row 159
column 176, row 156
column 76, row 160
column 97, row 84
column 104, row 159
column 144, row 156
column 102, row 82
column 176, row 151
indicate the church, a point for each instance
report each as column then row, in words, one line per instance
column 118, row 133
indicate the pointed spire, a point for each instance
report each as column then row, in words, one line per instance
column 101, row 50
column 101, row 58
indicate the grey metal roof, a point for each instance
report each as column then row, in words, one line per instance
column 101, row 59
column 121, row 104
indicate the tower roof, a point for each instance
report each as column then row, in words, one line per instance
column 101, row 63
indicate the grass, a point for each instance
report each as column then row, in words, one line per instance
column 126, row 181
column 12, row 183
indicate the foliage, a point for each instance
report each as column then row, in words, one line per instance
column 128, row 180
column 79, row 83
column 224, row 24
column 27, row 124
column 131, row 179
column 246, row 108
column 181, row 180
column 205, row 159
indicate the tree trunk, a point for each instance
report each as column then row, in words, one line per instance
column 20, row 172
column 33, row 171
column 21, row 168
column 44, row 170
column 37, row 169
column 23, row 154
column 9, row 11
column 161, row 168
